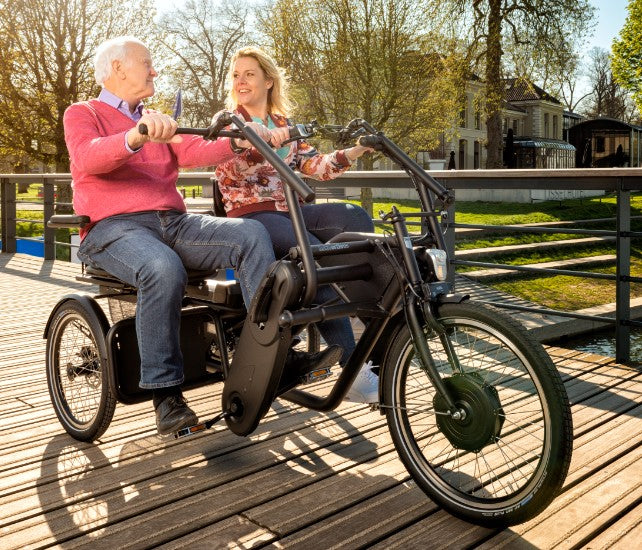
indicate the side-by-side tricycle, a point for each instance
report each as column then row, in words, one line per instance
column 475, row 407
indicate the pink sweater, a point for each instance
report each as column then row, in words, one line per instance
column 109, row 180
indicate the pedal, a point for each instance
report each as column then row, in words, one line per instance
column 316, row 376
column 202, row 426
column 191, row 430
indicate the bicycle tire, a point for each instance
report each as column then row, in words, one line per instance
column 76, row 363
column 507, row 460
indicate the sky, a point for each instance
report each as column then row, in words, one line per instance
column 610, row 19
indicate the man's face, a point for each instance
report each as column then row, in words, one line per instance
column 136, row 72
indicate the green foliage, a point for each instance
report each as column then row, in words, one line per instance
column 626, row 58
column 369, row 59
column 569, row 293
column 46, row 55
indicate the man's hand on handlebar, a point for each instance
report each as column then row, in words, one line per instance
column 161, row 128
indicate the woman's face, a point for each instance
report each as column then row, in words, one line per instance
column 249, row 83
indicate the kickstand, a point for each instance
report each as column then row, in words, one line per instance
column 190, row 430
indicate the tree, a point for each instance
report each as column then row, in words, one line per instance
column 538, row 26
column 557, row 69
column 607, row 98
column 202, row 37
column 627, row 53
column 565, row 85
column 46, row 50
column 368, row 59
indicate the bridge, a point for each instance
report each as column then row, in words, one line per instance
column 302, row 480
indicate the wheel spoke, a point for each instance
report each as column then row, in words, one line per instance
column 496, row 453
column 75, row 372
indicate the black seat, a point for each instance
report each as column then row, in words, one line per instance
column 193, row 276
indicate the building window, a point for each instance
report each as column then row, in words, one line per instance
column 462, row 153
column 515, row 126
column 478, row 121
column 546, row 125
column 600, row 143
column 463, row 117
column 555, row 136
column 476, row 163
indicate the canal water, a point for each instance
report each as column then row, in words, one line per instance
column 603, row 343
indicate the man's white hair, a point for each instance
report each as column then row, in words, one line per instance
column 110, row 50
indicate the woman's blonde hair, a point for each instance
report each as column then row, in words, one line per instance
column 278, row 101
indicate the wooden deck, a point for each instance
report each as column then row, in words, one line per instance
column 303, row 480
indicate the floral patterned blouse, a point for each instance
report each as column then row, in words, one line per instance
column 248, row 183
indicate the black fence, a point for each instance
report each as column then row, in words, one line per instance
column 560, row 183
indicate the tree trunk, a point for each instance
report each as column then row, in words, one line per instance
column 63, row 192
column 367, row 203
column 494, row 86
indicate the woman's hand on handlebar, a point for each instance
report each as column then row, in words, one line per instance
column 161, row 128
column 279, row 135
column 262, row 131
column 353, row 153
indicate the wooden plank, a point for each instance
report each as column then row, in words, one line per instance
column 582, row 509
column 624, row 534
column 178, row 501
column 233, row 532
column 303, row 479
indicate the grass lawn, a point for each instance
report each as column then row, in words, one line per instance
column 559, row 292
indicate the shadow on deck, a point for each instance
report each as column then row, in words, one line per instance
column 303, row 479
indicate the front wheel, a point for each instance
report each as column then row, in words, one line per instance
column 506, row 459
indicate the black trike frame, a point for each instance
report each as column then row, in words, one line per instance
column 283, row 303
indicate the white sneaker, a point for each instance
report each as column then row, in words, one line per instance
column 365, row 388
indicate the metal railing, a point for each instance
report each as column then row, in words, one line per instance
column 620, row 182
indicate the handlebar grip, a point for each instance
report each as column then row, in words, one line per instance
column 369, row 141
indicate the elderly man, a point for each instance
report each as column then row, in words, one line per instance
column 125, row 181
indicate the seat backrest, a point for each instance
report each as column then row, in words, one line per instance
column 217, row 200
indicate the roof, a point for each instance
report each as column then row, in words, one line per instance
column 607, row 124
column 513, row 107
column 518, row 89
column 571, row 114
column 525, row 141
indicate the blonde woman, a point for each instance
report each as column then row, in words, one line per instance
column 251, row 187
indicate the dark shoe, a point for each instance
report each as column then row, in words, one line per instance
column 299, row 364
column 173, row 414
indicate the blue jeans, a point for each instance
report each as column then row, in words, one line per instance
column 323, row 221
column 151, row 251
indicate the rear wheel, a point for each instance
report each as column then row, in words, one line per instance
column 76, row 370
column 507, row 458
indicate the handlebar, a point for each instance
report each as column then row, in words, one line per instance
column 204, row 132
column 243, row 131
